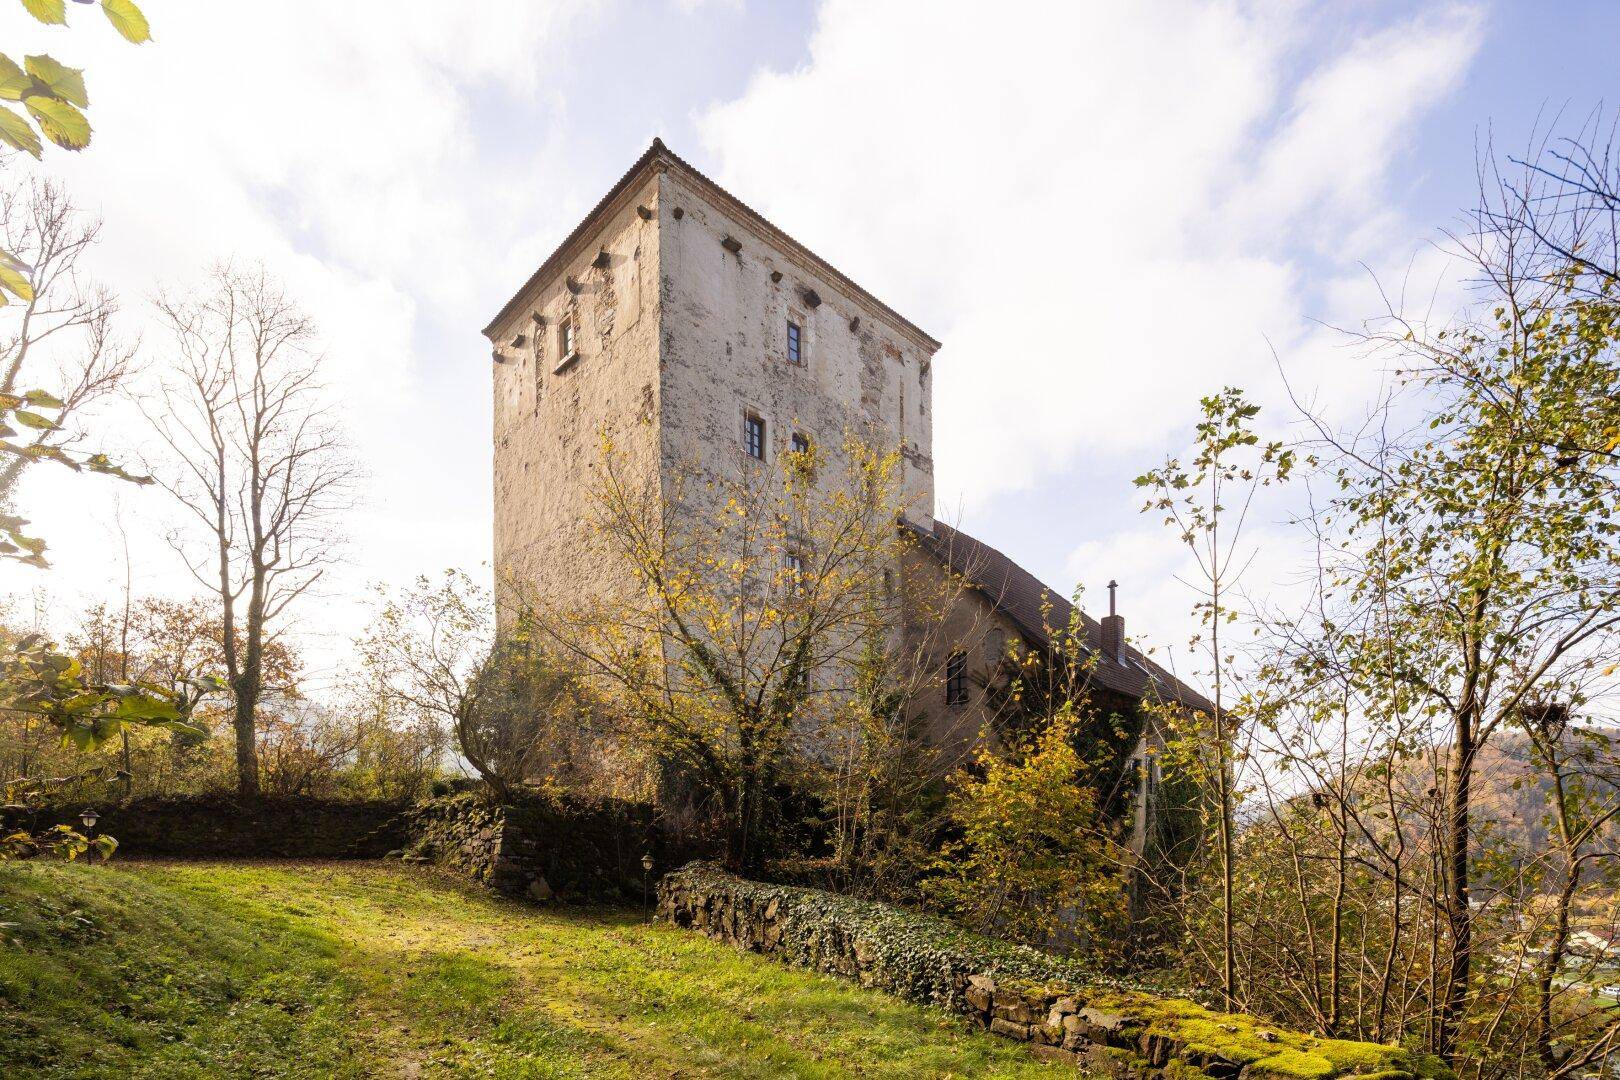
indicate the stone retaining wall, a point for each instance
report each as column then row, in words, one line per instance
column 546, row 849
column 224, row 827
column 1015, row 992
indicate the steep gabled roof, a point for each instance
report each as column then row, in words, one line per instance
column 659, row 156
column 1037, row 610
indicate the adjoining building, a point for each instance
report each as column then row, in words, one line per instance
column 700, row 335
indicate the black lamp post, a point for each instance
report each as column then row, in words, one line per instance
column 646, row 871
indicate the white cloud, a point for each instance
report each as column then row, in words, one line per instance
column 1101, row 209
column 346, row 148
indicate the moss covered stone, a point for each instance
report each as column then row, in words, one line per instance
column 1062, row 1009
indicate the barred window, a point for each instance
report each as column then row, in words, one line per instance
column 801, row 445
column 795, row 353
column 956, row 691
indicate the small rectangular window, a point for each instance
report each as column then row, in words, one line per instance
column 956, row 692
column 754, row 436
column 565, row 342
column 795, row 353
column 801, row 445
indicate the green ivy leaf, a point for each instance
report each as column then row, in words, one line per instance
column 50, row 12
column 64, row 83
column 63, row 124
column 128, row 20
column 16, row 133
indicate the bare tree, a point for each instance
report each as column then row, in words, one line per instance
column 1207, row 503
column 258, row 462
column 58, row 350
column 516, row 715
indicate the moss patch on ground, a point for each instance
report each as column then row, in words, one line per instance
column 361, row 970
column 1279, row 1052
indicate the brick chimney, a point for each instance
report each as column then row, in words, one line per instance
column 1113, row 630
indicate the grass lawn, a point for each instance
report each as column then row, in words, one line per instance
column 360, row 970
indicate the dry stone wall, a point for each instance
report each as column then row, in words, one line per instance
column 544, row 849
column 1057, row 1007
column 226, row 827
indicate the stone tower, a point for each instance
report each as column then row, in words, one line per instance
column 698, row 335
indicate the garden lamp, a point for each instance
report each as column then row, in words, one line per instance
column 89, row 817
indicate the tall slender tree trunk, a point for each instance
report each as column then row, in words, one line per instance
column 245, row 702
column 1459, row 917
column 1223, row 761
column 1553, row 956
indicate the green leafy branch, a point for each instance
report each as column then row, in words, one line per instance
column 53, row 98
column 36, row 679
column 22, row 798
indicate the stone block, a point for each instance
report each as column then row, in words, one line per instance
column 980, row 992
column 1156, row 1048
column 1016, row 1008
column 1010, row 1030
column 1056, row 1053
column 1212, row 1064
column 1105, row 1028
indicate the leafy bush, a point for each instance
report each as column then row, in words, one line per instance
column 1032, row 862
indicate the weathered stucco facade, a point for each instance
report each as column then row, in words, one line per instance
column 599, row 294
column 663, row 321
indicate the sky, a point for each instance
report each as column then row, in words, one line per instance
column 1102, row 210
